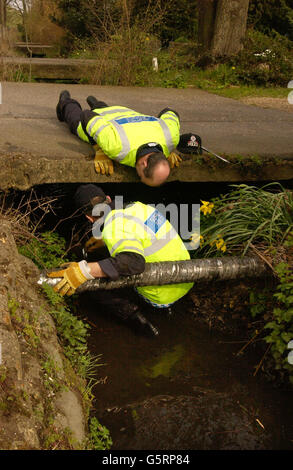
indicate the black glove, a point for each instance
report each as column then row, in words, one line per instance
column 190, row 144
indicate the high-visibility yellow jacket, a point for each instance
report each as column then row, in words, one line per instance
column 142, row 229
column 120, row 131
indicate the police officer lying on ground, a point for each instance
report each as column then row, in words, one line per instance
column 134, row 235
column 125, row 136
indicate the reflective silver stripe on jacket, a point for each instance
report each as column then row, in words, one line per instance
column 126, row 144
column 95, row 137
column 93, row 122
column 124, row 141
column 170, row 117
column 128, row 247
column 90, row 127
column 129, row 217
column 114, row 111
column 168, row 136
column 123, row 136
column 156, row 244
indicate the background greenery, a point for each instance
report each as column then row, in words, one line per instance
column 258, row 222
column 124, row 35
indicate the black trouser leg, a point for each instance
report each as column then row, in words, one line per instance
column 101, row 104
column 117, row 302
column 121, row 302
column 72, row 112
column 125, row 305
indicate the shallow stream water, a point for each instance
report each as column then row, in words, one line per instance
column 188, row 388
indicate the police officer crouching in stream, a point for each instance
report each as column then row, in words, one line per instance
column 133, row 235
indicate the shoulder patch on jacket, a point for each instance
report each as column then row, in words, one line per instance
column 155, row 221
column 134, row 119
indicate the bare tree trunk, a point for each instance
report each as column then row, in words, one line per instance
column 207, row 10
column 177, row 272
column 222, row 26
column 230, row 27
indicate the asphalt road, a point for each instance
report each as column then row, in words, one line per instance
column 29, row 123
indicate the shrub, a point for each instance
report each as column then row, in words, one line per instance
column 264, row 60
column 124, row 59
column 99, row 437
column 47, row 251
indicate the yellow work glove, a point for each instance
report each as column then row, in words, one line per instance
column 103, row 164
column 174, row 159
column 72, row 276
column 93, row 244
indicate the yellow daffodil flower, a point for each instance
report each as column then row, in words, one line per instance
column 223, row 248
column 220, row 244
column 206, row 207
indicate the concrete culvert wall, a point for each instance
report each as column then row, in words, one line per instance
column 23, row 171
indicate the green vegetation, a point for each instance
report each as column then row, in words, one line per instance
column 100, row 438
column 72, row 331
column 252, row 73
column 46, row 251
column 169, row 20
column 264, row 60
column 263, row 68
column 25, row 322
column 246, row 215
column 123, row 38
column 259, row 222
column 281, row 324
column 269, row 15
column 51, row 379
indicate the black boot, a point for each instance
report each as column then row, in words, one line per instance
column 142, row 325
column 64, row 96
column 92, row 102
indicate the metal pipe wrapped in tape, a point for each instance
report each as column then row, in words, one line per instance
column 51, row 281
column 177, row 272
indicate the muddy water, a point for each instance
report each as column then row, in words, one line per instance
column 185, row 389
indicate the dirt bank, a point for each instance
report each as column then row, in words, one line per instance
column 40, row 404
